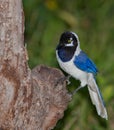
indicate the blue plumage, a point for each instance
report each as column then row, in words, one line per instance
column 65, row 55
column 84, row 63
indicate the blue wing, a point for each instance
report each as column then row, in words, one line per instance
column 84, row 63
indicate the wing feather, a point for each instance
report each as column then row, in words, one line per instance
column 84, row 63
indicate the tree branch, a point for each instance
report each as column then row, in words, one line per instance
column 29, row 100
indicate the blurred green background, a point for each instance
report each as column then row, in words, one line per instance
column 93, row 21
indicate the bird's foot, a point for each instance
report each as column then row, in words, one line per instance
column 64, row 79
column 68, row 79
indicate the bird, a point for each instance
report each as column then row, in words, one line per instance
column 77, row 64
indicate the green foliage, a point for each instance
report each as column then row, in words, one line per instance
column 93, row 21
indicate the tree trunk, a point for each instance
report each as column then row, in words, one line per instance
column 29, row 99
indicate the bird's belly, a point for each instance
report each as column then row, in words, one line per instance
column 71, row 69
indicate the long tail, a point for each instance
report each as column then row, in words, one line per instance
column 96, row 97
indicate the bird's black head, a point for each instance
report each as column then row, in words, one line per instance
column 67, row 45
column 68, row 40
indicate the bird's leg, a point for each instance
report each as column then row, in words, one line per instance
column 75, row 91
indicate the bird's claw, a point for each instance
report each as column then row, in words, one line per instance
column 64, row 79
column 67, row 79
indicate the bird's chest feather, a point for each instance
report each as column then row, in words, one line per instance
column 71, row 69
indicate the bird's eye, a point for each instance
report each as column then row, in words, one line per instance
column 70, row 40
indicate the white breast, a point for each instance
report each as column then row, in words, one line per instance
column 71, row 69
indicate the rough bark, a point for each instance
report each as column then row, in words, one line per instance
column 29, row 100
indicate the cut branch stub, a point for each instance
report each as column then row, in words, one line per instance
column 50, row 96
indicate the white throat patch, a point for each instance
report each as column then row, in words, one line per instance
column 70, row 45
